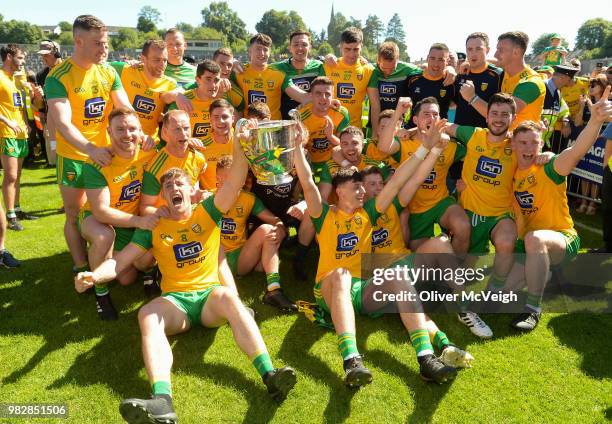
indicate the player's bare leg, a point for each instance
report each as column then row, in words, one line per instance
column 74, row 199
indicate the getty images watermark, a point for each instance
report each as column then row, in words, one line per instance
column 484, row 284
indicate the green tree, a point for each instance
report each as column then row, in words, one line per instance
column 20, row 32
column 65, row 39
column 279, row 25
column 592, row 34
column 219, row 16
column 65, row 26
column 148, row 18
column 127, row 38
column 396, row 33
column 373, row 31
column 185, row 28
column 324, row 49
column 337, row 24
column 203, row 33
column 543, row 41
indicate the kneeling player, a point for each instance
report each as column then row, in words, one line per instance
column 186, row 246
column 344, row 232
column 259, row 251
column 108, row 219
column 547, row 233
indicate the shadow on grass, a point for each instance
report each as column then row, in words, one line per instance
column 587, row 334
column 44, row 304
column 40, row 183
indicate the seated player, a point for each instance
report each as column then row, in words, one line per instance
column 488, row 170
column 547, row 233
column 259, row 250
column 323, row 122
column 432, row 203
column 344, row 232
column 186, row 245
column 108, row 220
column 351, row 146
column 387, row 239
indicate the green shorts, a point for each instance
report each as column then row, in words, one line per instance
column 14, row 147
column 357, row 286
column 317, row 168
column 481, row 230
column 191, row 303
column 572, row 245
column 69, row 172
column 422, row 224
column 123, row 236
column 232, row 260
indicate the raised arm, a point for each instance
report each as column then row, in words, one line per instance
column 120, row 99
column 374, row 109
column 311, row 192
column 408, row 167
column 387, row 143
column 600, row 113
column 227, row 195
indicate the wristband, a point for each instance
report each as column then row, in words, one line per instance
column 473, row 99
column 421, row 152
column 436, row 151
column 53, row 145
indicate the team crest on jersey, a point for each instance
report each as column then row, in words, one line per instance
column 196, row 228
column 358, row 221
column 442, row 92
column 239, row 210
column 441, row 159
column 384, row 218
column 508, row 151
column 417, row 90
column 167, row 238
column 483, row 86
column 531, row 179
column 359, row 77
column 70, row 175
column 270, row 84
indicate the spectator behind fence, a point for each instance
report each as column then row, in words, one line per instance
column 588, row 189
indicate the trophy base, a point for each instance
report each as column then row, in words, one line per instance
column 276, row 180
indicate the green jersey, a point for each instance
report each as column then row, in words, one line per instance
column 554, row 55
column 300, row 77
column 183, row 73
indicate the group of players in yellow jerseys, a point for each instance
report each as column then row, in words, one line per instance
column 169, row 193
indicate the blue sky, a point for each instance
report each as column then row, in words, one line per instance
column 447, row 21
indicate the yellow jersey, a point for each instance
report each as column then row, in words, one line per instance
column 572, row 94
column 387, row 234
column 540, row 194
column 434, row 188
column 123, row 177
column 11, row 106
column 145, row 95
column 488, row 170
column 89, row 94
column 528, row 86
column 318, row 145
column 234, row 221
column 263, row 86
column 331, row 167
column 371, row 150
column 344, row 237
column 187, row 252
column 213, row 151
column 194, row 164
column 351, row 82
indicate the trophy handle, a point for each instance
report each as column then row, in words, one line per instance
column 295, row 115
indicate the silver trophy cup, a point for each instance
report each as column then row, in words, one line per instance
column 269, row 149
